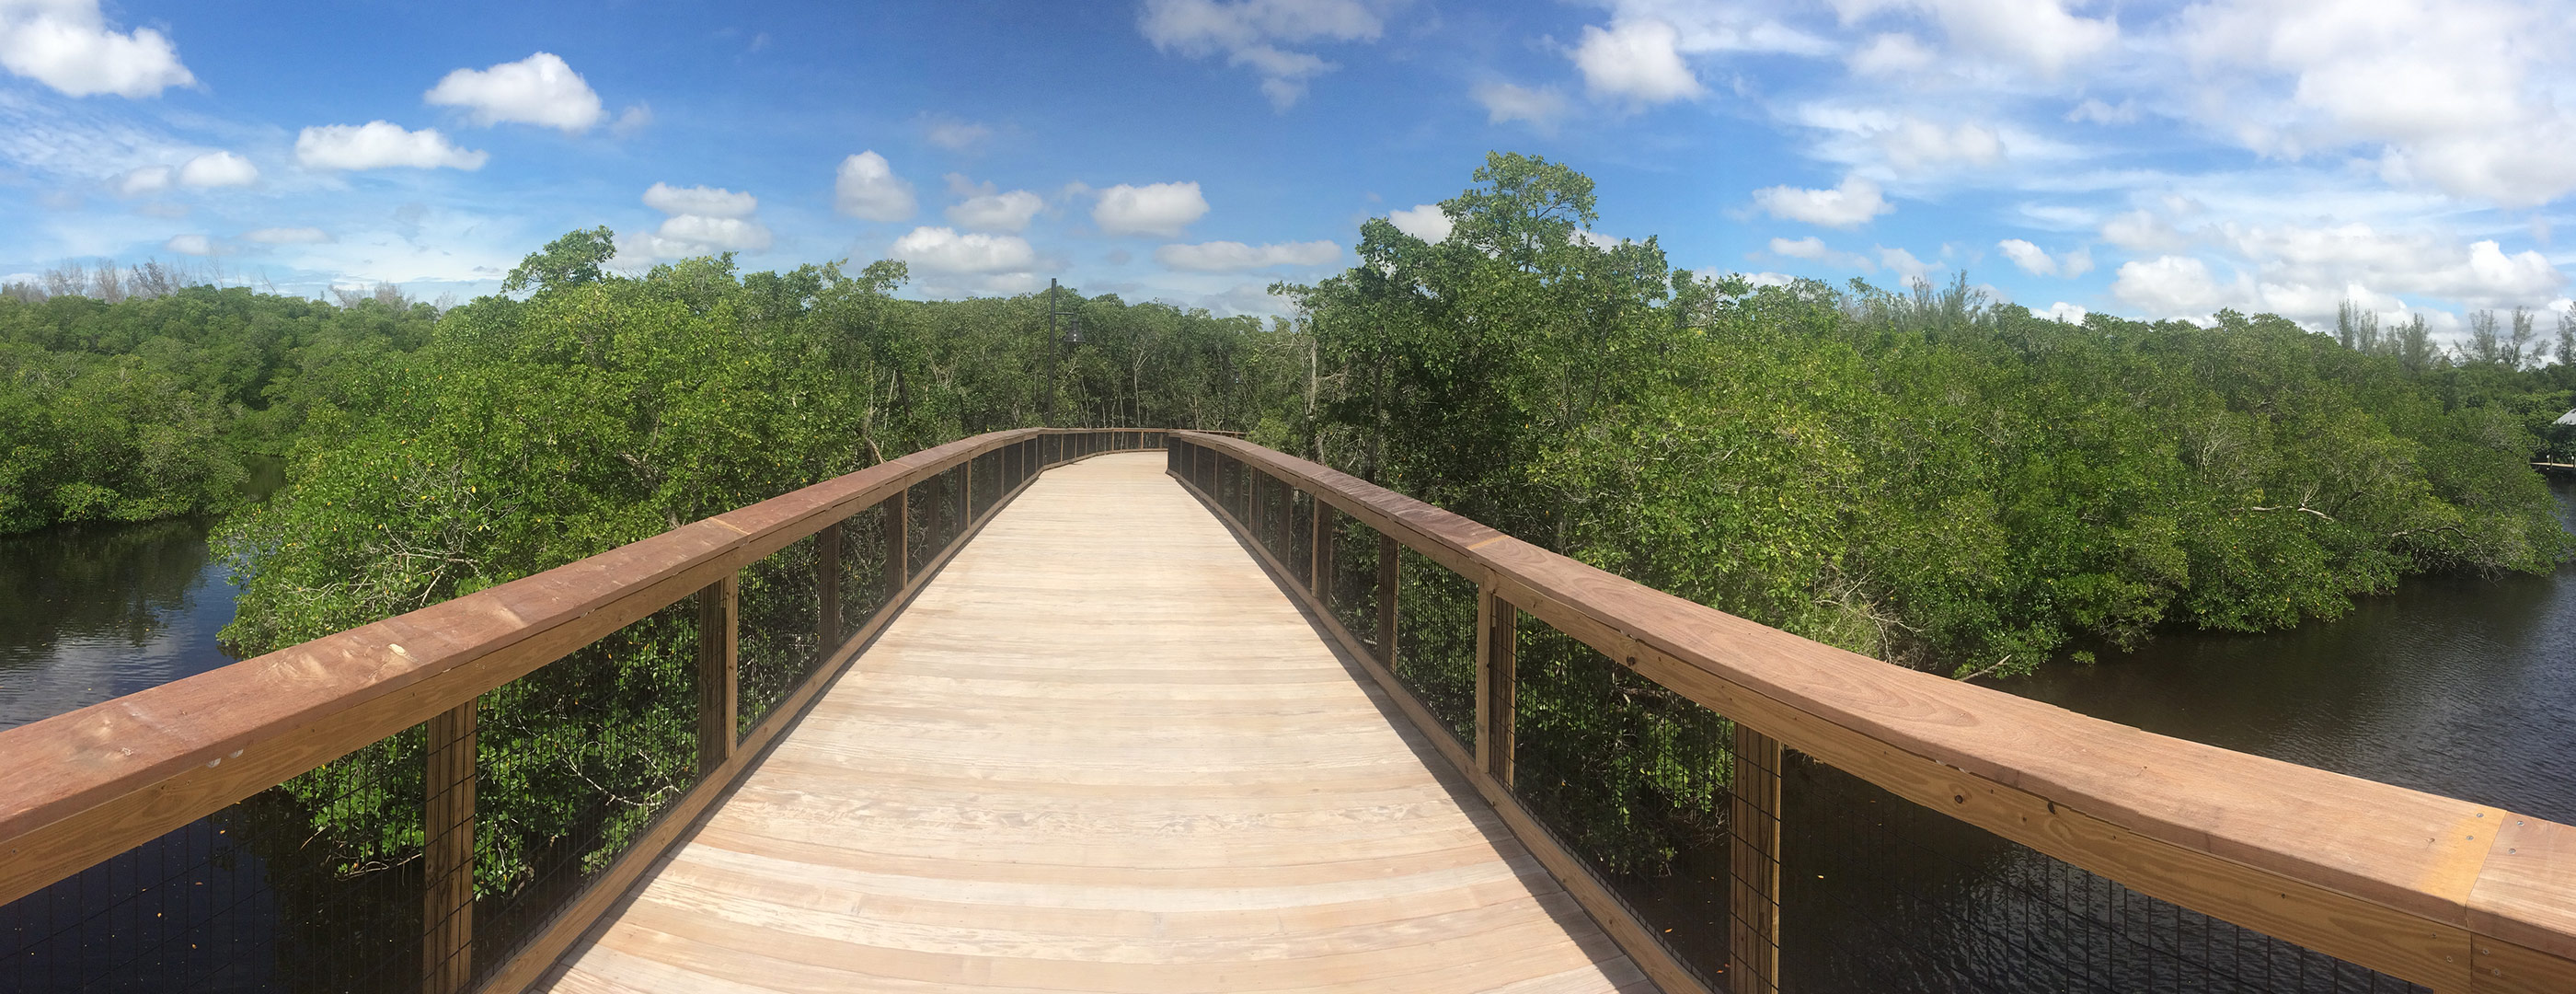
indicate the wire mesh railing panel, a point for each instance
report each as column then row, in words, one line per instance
column 313, row 885
column 863, row 586
column 1435, row 638
column 1882, row 894
column 1353, row 583
column 921, row 522
column 779, row 642
column 577, row 760
column 1629, row 776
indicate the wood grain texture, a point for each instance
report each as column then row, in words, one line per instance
column 1100, row 751
column 2391, row 878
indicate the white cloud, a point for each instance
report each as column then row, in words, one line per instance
column 287, row 236
column 218, row 169
column 1250, row 33
column 635, row 118
column 1541, row 108
column 190, row 245
column 957, row 136
column 2029, row 257
column 2143, row 231
column 1915, row 143
column 539, row 89
column 703, row 221
column 868, row 188
column 2039, row 34
column 67, row 45
column 1424, row 221
column 1814, row 249
column 1154, row 209
column 2063, row 311
column 943, row 250
column 701, row 200
column 2098, row 112
column 1895, row 54
column 1904, row 264
column 1636, row 60
column 381, row 145
column 1227, row 257
column 985, row 209
column 2170, row 286
column 149, row 179
column 1846, row 206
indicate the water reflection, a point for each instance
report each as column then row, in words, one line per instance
column 90, row 612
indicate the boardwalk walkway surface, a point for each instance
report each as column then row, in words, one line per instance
column 1102, row 751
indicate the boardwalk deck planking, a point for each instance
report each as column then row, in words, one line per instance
column 1102, row 751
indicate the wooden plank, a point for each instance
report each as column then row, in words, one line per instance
column 833, row 866
column 1607, row 910
column 2372, row 873
column 719, row 615
column 827, row 586
column 2522, row 893
column 1753, row 861
column 1389, row 561
column 898, row 535
column 1497, row 685
column 447, row 853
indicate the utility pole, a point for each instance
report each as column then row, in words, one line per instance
column 1072, row 335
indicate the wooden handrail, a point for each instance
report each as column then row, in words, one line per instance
column 2442, row 892
column 98, row 781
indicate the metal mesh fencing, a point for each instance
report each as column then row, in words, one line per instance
column 1882, row 894
column 578, row 760
column 779, row 643
column 1435, row 642
column 863, row 587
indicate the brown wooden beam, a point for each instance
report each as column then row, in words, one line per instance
column 447, row 854
column 827, row 589
column 1497, row 679
column 1753, row 903
column 1389, row 561
column 719, row 609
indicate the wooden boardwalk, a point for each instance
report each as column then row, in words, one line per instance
column 1102, row 751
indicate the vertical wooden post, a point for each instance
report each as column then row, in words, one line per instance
column 447, row 941
column 1753, row 928
column 718, row 606
column 1497, row 645
column 968, row 504
column 1319, row 556
column 1388, row 562
column 898, row 530
column 827, row 589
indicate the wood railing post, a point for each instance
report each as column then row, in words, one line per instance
column 827, row 590
column 1388, row 562
column 718, row 609
column 447, row 940
column 1497, row 646
column 968, row 503
column 898, row 532
column 1319, row 554
column 1753, row 818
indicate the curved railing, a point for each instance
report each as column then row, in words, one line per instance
column 120, row 824
column 2438, row 892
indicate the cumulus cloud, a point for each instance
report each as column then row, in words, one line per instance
column 1849, row 205
column 1895, row 54
column 1424, row 221
column 381, row 145
column 1814, row 249
column 1539, row 107
column 1228, row 257
column 1251, row 33
column 2066, row 312
column 2168, row 286
column 190, row 245
column 1153, row 209
column 287, row 236
column 69, row 46
column 986, row 209
column 218, row 169
column 944, row 251
column 702, row 221
column 1904, row 264
column 700, row 200
column 539, row 89
column 2036, row 261
column 2038, row 34
column 868, row 188
column 1637, row 60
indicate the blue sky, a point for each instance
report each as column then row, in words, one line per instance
column 2144, row 159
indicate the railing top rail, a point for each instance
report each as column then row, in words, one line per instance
column 2445, row 861
column 209, row 739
